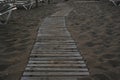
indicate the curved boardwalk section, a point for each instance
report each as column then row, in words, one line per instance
column 55, row 55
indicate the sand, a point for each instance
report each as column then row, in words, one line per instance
column 93, row 25
column 17, row 39
column 95, row 28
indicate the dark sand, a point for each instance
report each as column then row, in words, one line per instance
column 95, row 26
column 17, row 38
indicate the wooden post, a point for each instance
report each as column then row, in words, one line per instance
column 36, row 3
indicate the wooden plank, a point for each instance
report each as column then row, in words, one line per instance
column 56, row 65
column 54, row 49
column 62, row 62
column 55, row 58
column 56, row 53
column 51, row 39
column 55, row 28
column 59, row 41
column 51, row 51
column 50, row 78
column 58, row 27
column 58, row 35
column 52, row 55
column 56, row 74
column 54, row 43
column 50, row 46
column 36, row 69
column 54, row 37
column 52, row 31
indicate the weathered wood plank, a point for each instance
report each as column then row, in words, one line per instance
column 50, row 78
column 51, row 31
column 36, row 69
column 56, row 52
column 54, row 46
column 60, row 43
column 55, row 58
column 56, row 73
column 57, row 65
column 56, row 55
column 54, row 37
column 50, row 49
column 60, row 61
column 52, row 40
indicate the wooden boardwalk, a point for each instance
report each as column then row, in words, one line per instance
column 55, row 55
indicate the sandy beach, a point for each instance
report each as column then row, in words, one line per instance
column 93, row 25
column 95, row 28
column 17, row 38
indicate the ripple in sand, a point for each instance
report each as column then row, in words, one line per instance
column 101, row 77
column 90, row 44
column 114, row 63
column 102, row 68
column 113, row 75
column 109, row 56
column 3, row 67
